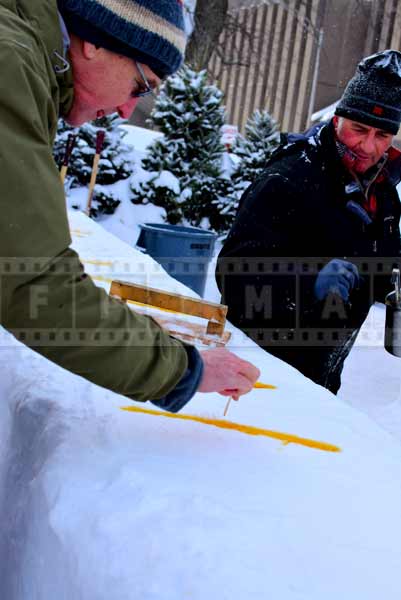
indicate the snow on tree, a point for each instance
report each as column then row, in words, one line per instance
column 115, row 161
column 262, row 136
column 161, row 189
column 189, row 113
column 103, row 202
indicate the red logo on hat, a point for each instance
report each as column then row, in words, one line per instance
column 377, row 110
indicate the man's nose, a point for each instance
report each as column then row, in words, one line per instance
column 368, row 143
column 126, row 110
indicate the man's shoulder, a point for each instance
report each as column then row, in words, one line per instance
column 311, row 143
column 290, row 171
column 17, row 35
column 21, row 58
column 21, row 68
column 295, row 158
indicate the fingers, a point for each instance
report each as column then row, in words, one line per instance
column 223, row 371
column 340, row 266
column 351, row 273
column 232, row 393
column 342, row 290
column 243, row 386
column 337, row 277
column 345, row 277
column 249, row 371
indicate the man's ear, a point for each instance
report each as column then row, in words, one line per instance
column 335, row 122
column 89, row 51
column 82, row 49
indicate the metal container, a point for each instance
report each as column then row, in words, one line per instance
column 392, row 335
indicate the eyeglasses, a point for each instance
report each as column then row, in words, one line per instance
column 148, row 90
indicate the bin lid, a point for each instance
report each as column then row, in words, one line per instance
column 177, row 230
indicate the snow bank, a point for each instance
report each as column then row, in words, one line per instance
column 140, row 138
column 98, row 503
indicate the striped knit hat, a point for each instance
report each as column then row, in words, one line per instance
column 149, row 31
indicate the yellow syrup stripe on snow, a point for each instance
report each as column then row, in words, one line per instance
column 286, row 438
column 79, row 233
column 264, row 386
column 104, row 263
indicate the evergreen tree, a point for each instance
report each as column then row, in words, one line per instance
column 262, row 136
column 103, row 203
column 160, row 189
column 189, row 113
column 115, row 161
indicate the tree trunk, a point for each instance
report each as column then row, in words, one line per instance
column 210, row 16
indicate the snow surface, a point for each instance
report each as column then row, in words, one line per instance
column 124, row 222
column 324, row 114
column 98, row 503
column 140, row 138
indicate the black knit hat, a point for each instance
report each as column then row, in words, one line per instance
column 150, row 31
column 373, row 95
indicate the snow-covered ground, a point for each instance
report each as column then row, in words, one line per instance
column 101, row 503
column 371, row 379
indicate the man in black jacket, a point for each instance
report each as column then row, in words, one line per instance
column 316, row 236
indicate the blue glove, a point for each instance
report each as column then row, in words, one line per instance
column 337, row 277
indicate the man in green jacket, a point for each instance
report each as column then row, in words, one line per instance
column 82, row 59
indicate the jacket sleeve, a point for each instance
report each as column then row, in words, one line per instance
column 257, row 267
column 47, row 300
column 187, row 386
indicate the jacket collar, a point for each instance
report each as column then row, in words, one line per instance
column 325, row 140
column 393, row 166
column 66, row 45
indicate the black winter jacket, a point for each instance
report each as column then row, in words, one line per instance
column 294, row 219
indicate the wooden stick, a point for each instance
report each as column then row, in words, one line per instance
column 258, row 385
column 99, row 145
column 176, row 304
column 67, row 154
column 170, row 301
column 227, row 405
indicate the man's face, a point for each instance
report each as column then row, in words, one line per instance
column 367, row 143
column 104, row 83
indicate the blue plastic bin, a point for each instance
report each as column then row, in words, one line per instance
column 184, row 252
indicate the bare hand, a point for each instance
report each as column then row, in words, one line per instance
column 226, row 373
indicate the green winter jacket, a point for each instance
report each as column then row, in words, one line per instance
column 47, row 301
